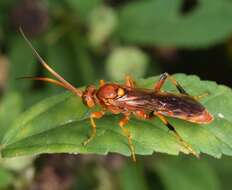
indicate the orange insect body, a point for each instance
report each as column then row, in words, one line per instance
column 127, row 100
column 142, row 100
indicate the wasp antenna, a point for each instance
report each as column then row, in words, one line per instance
column 48, row 68
column 45, row 79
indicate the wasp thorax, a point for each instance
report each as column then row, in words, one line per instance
column 88, row 96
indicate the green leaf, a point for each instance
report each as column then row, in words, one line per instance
column 184, row 173
column 159, row 22
column 61, row 124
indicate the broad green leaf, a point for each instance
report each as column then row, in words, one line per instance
column 61, row 124
column 159, row 22
column 185, row 173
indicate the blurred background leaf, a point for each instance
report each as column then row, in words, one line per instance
column 186, row 174
column 83, row 8
column 161, row 23
column 132, row 177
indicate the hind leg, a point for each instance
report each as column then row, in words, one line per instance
column 178, row 137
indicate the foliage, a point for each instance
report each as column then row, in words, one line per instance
column 61, row 123
column 188, row 174
column 86, row 41
column 160, row 22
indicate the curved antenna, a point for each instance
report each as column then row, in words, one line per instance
column 49, row 69
column 45, row 79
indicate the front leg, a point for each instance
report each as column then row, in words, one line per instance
column 178, row 137
column 94, row 115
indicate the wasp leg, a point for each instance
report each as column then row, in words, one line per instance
column 101, row 82
column 143, row 114
column 126, row 132
column 201, row 96
column 129, row 81
column 94, row 115
column 179, row 138
column 163, row 78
